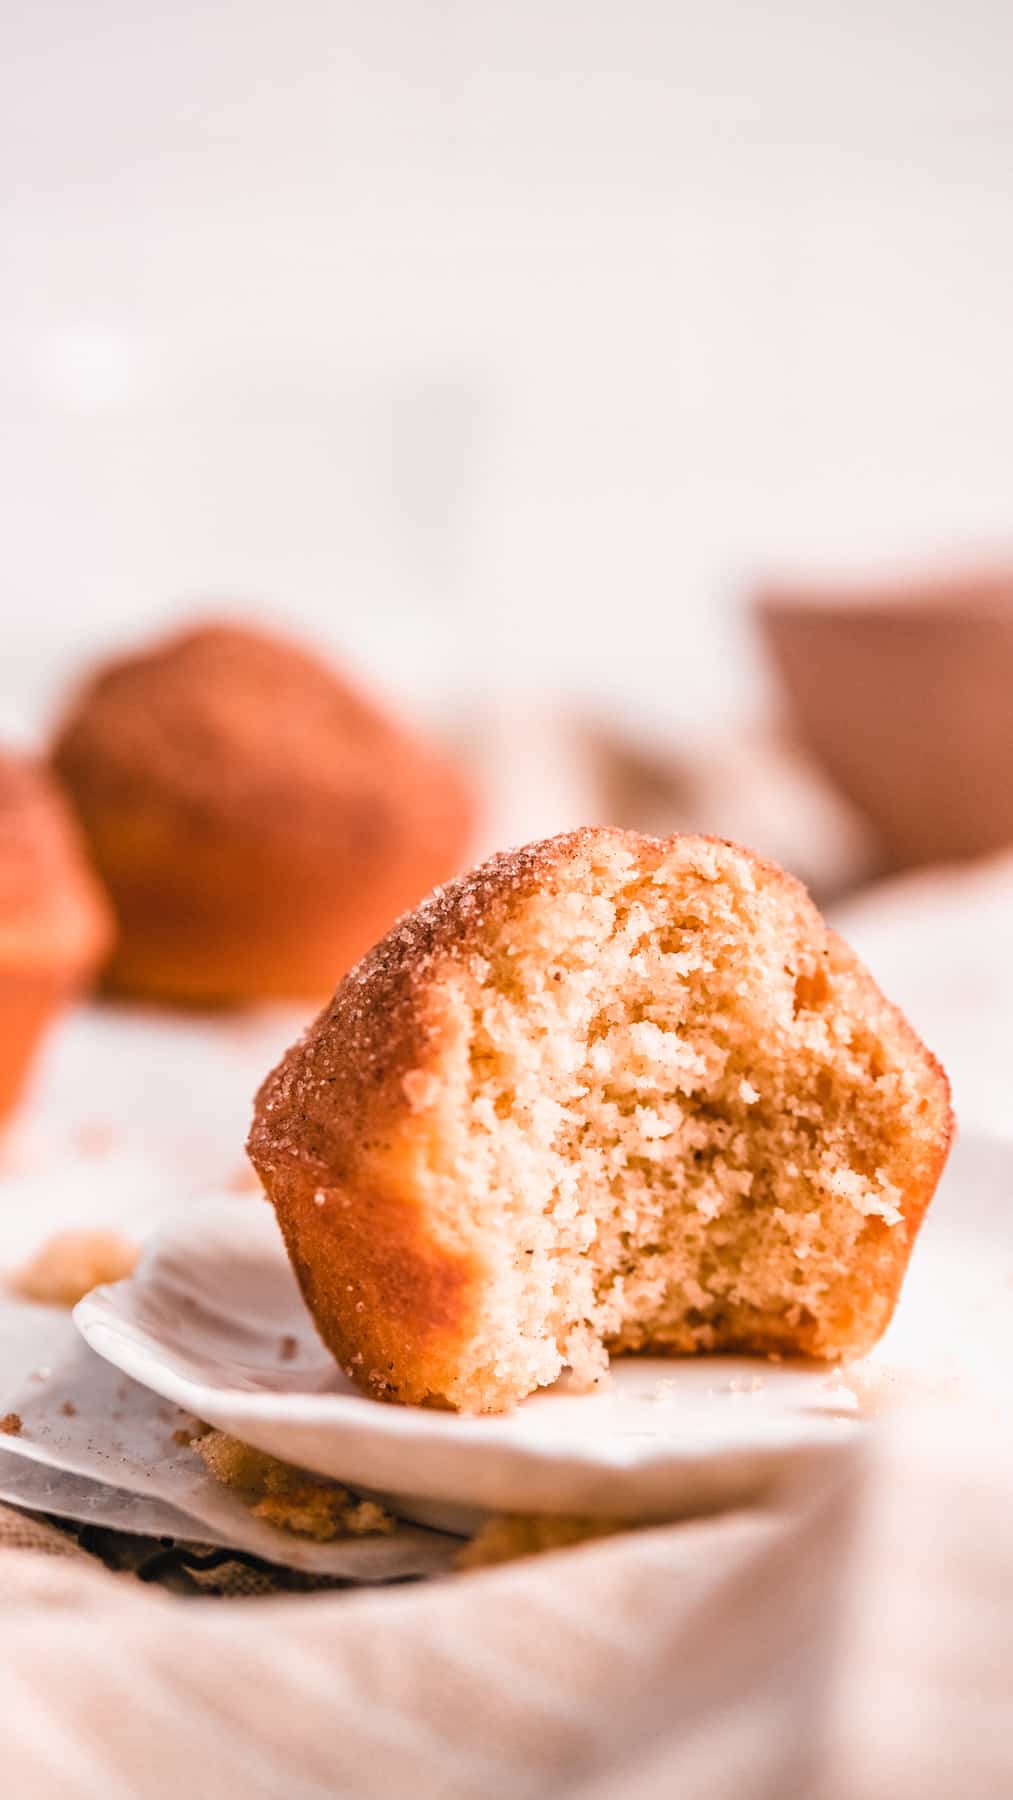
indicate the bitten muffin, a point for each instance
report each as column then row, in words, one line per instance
column 55, row 923
column 258, row 822
column 607, row 1092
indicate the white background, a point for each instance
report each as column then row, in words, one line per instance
column 496, row 345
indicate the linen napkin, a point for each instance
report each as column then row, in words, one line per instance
column 847, row 1641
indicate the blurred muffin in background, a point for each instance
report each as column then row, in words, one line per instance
column 55, row 922
column 258, row 821
column 905, row 695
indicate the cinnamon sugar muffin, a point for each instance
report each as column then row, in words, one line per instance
column 55, row 923
column 257, row 820
column 607, row 1092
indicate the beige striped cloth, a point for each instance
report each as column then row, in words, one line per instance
column 850, row 1640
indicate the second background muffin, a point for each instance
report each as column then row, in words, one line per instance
column 258, row 821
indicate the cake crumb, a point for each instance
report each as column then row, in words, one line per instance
column 69, row 1410
column 68, row 1265
column 420, row 1089
column 187, row 1434
column 507, row 1537
column 95, row 1138
column 11, row 1424
column 288, row 1347
column 293, row 1499
column 242, row 1180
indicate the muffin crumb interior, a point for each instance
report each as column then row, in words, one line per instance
column 668, row 1130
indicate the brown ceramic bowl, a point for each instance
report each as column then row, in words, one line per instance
column 905, row 695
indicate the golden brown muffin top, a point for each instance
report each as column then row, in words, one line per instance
column 229, row 723
column 385, row 1015
column 53, row 913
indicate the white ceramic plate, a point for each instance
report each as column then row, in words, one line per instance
column 204, row 1321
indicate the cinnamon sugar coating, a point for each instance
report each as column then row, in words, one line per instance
column 258, row 820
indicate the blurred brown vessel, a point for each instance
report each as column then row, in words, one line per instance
column 905, row 695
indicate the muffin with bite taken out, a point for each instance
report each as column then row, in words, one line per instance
column 606, row 1093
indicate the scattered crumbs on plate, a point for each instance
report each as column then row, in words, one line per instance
column 69, row 1410
column 738, row 1386
column 11, row 1424
column 190, row 1431
column 837, row 1388
column 288, row 1347
column 308, row 1505
column 876, row 1388
column 507, row 1537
